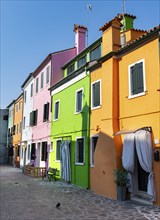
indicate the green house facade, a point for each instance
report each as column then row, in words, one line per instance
column 70, row 125
column 70, row 122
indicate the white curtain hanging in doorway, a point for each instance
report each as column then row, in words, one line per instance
column 65, row 161
column 141, row 142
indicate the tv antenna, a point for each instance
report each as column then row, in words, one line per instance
column 123, row 12
column 89, row 9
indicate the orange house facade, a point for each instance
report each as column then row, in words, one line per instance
column 17, row 129
column 125, row 113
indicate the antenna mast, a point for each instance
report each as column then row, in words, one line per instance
column 89, row 9
column 123, row 38
column 123, row 12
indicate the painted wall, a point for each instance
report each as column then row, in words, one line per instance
column 101, row 124
column 26, row 129
column 143, row 110
column 18, row 109
column 72, row 125
column 3, row 136
column 41, row 132
column 58, row 60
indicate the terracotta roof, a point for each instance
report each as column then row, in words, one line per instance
column 141, row 37
column 127, row 15
column 76, row 26
column 108, row 24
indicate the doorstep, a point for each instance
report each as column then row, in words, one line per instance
column 142, row 198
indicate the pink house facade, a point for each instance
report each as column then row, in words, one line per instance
column 47, row 74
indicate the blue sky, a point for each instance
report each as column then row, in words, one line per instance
column 31, row 29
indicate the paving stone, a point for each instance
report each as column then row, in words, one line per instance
column 26, row 198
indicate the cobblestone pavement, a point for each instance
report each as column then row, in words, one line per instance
column 26, row 198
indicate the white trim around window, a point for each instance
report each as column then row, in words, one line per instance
column 130, row 80
column 77, row 108
column 79, row 159
column 93, row 104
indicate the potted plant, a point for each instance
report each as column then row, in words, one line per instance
column 121, row 181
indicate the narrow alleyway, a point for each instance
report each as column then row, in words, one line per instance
column 26, row 198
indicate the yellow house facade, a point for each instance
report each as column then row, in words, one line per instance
column 18, row 108
column 119, row 113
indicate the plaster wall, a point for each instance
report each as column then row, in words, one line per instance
column 71, row 125
column 143, row 110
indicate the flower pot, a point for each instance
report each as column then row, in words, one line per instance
column 121, row 193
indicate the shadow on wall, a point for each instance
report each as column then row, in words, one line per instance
column 105, row 160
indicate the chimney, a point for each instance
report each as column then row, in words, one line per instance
column 80, row 37
column 127, row 21
column 111, row 36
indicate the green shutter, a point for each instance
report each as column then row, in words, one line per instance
column 96, row 94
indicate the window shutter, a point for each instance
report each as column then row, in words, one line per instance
column 56, row 110
column 137, row 79
column 47, row 111
column 31, row 119
column 96, row 94
column 35, row 116
column 79, row 101
column 140, row 87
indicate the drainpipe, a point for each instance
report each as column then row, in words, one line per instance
column 115, row 112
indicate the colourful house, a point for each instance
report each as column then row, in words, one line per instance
column 10, row 108
column 119, row 111
column 71, row 117
column 17, row 129
column 26, row 139
column 47, row 74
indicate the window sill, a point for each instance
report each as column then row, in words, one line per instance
column 137, row 95
column 76, row 113
column 55, row 120
column 79, row 164
column 97, row 107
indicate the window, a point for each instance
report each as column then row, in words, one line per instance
column 51, row 148
column 9, row 132
column 96, row 94
column 33, row 118
column 47, row 74
column 28, row 152
column 22, row 152
column 93, row 147
column 81, row 61
column 80, row 150
column 42, row 79
column 24, row 122
column 14, row 129
column 37, row 82
column 20, row 126
column 19, row 105
column 58, row 149
column 17, row 128
column 70, row 69
column 25, row 96
column 95, row 53
column 79, row 95
column 33, row 151
column 56, row 110
column 16, row 107
column 5, row 117
column 136, row 79
column 44, row 151
column 46, row 112
column 31, row 90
